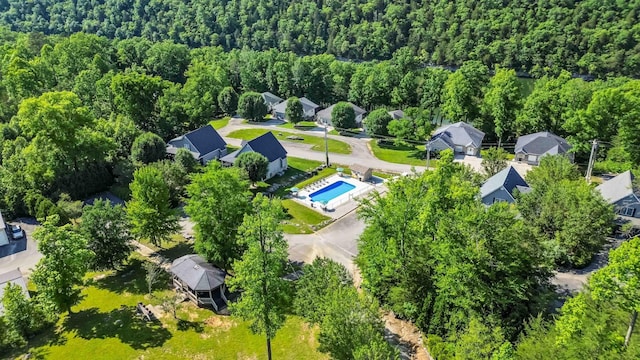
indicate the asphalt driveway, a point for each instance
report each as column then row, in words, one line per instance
column 23, row 253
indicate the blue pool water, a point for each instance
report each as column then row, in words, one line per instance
column 332, row 191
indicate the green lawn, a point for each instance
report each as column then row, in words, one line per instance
column 220, row 123
column 410, row 155
column 104, row 326
column 303, row 125
column 335, row 146
column 301, row 218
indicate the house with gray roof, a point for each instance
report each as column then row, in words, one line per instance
column 503, row 186
column 200, row 281
column 324, row 116
column 271, row 100
column 309, row 109
column 621, row 193
column 205, row 144
column 396, row 114
column 269, row 147
column 530, row 148
column 12, row 277
column 460, row 137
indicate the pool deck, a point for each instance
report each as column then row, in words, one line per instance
column 343, row 204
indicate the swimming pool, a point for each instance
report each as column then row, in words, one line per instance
column 332, row 191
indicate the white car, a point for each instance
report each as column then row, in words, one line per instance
column 16, row 232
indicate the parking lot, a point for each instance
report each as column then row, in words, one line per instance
column 21, row 253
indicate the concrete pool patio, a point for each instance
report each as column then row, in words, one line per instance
column 342, row 204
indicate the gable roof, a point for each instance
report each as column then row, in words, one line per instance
column 307, row 105
column 326, row 113
column 507, row 178
column 268, row 146
column 205, row 139
column 542, row 143
column 360, row 168
column 396, row 114
column 198, row 274
column 2, row 225
column 460, row 133
column 271, row 99
column 617, row 188
column 14, row 277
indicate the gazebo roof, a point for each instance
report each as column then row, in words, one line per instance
column 198, row 274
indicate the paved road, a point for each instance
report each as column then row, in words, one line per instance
column 360, row 152
column 21, row 254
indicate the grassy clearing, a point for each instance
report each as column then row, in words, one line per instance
column 383, row 175
column 104, row 326
column 301, row 218
column 303, row 125
column 410, row 155
column 220, row 123
column 317, row 142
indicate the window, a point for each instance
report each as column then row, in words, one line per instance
column 627, row 211
column 532, row 158
column 459, row 148
column 497, row 200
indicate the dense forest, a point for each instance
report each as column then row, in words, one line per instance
column 588, row 37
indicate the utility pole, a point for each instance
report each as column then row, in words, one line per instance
column 326, row 144
column 592, row 159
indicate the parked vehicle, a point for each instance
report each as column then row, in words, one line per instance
column 16, row 232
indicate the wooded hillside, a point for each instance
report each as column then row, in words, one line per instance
column 598, row 37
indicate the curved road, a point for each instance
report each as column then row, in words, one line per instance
column 360, row 152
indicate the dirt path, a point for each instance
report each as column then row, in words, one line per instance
column 406, row 337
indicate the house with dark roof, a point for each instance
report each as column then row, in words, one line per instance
column 200, row 281
column 4, row 237
column 269, row 147
column 622, row 194
column 503, row 186
column 324, row 116
column 396, row 114
column 271, row 100
column 530, row 148
column 205, row 144
column 460, row 137
column 12, row 277
column 309, row 109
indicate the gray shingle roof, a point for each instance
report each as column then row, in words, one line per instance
column 205, row 139
column 542, row 143
column 396, row 114
column 460, row 133
column 617, row 188
column 198, row 274
column 307, row 105
column 271, row 99
column 507, row 178
column 326, row 113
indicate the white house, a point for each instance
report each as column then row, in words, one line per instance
column 4, row 237
column 621, row 193
column 530, row 148
column 269, row 147
column 205, row 144
column 271, row 100
column 324, row 116
column 309, row 109
column 12, row 277
column 460, row 137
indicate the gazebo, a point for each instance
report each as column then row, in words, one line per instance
column 200, row 281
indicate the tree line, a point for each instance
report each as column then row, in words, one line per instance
column 588, row 37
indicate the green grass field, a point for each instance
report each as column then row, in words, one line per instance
column 303, row 125
column 410, row 155
column 335, row 146
column 301, row 218
column 220, row 123
column 104, row 326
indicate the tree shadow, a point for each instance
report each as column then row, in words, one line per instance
column 176, row 251
column 130, row 279
column 185, row 325
column 122, row 323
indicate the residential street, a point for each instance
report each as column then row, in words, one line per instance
column 359, row 146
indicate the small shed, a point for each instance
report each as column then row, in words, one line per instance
column 361, row 172
column 200, row 281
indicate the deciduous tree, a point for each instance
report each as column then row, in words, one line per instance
column 217, row 202
column 343, row 116
column 147, row 148
column 493, row 161
column 251, row 106
column 377, row 121
column 106, row 227
column 228, row 101
column 294, row 112
column 259, row 273
column 254, row 165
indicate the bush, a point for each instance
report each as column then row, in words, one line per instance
column 147, row 148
